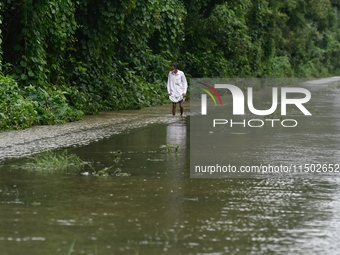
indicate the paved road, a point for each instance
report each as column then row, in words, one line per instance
column 324, row 81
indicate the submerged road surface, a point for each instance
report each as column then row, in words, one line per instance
column 23, row 143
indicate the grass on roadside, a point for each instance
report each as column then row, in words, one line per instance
column 56, row 162
column 64, row 162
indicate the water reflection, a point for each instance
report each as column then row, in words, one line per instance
column 176, row 135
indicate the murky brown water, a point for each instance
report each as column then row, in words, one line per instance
column 158, row 209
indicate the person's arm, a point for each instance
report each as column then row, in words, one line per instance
column 185, row 84
column 169, row 85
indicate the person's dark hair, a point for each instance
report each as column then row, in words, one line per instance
column 175, row 64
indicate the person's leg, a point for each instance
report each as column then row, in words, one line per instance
column 181, row 107
column 173, row 109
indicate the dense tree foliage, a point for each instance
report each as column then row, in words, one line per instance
column 263, row 38
column 62, row 58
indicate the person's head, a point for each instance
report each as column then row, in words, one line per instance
column 174, row 66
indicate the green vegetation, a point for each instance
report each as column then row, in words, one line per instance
column 168, row 148
column 51, row 161
column 113, row 170
column 65, row 162
column 70, row 251
column 21, row 108
column 62, row 59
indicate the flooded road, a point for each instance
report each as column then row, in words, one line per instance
column 159, row 209
column 23, row 143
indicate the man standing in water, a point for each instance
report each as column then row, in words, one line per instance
column 177, row 88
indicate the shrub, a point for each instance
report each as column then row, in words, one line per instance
column 22, row 108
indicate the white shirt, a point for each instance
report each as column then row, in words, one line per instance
column 177, row 83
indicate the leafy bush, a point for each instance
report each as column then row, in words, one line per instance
column 22, row 108
column 51, row 105
column 280, row 67
column 15, row 111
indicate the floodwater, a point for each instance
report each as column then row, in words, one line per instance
column 159, row 209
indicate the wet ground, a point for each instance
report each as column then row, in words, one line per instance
column 23, row 143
